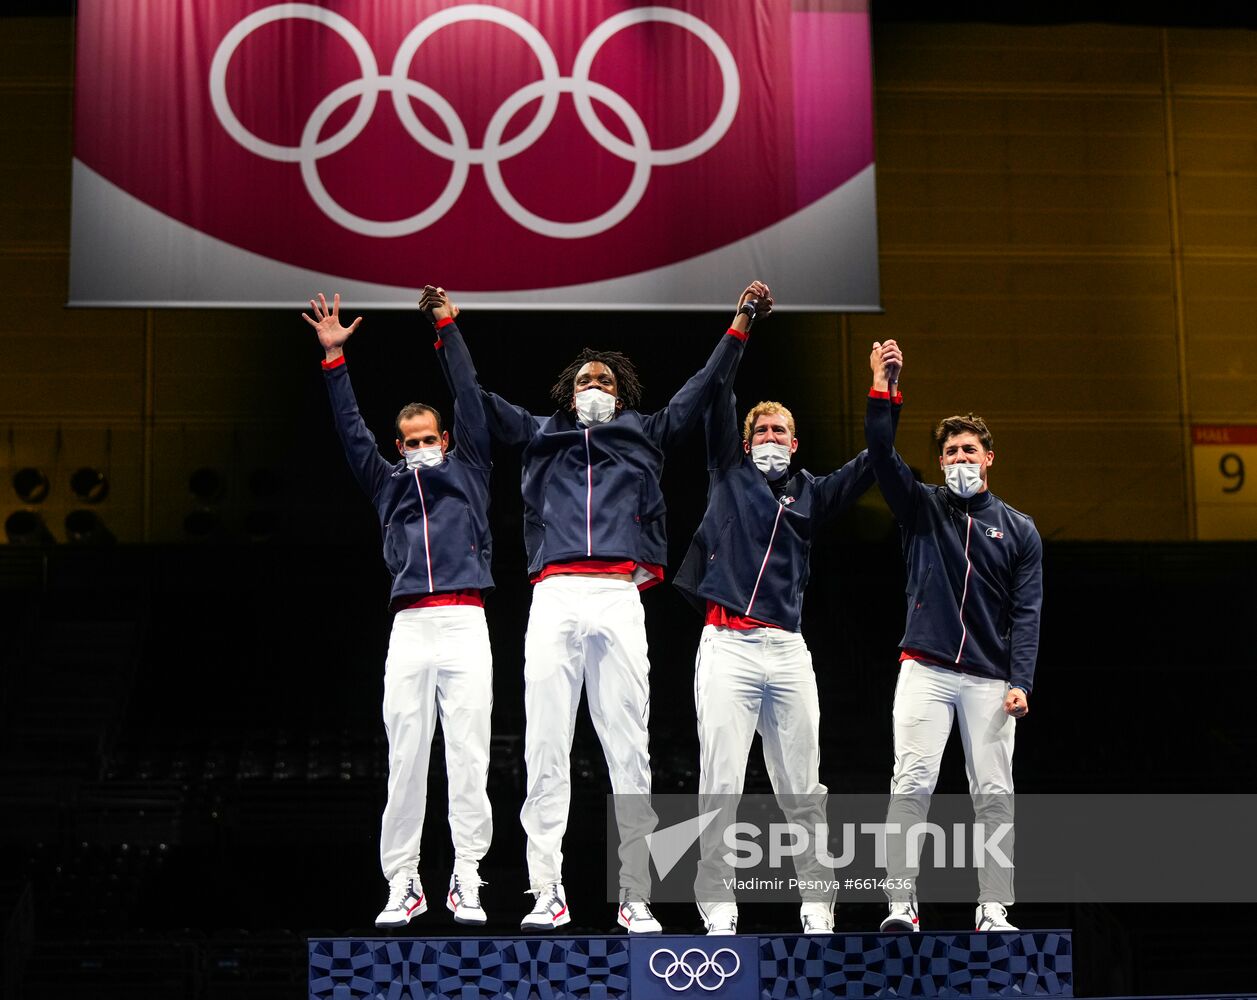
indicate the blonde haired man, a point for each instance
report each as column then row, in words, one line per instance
column 746, row 570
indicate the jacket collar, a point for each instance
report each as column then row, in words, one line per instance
column 973, row 504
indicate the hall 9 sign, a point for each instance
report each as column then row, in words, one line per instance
column 1226, row 501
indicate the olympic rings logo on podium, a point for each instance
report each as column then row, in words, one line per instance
column 694, row 974
column 458, row 149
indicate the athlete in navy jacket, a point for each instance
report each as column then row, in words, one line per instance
column 746, row 570
column 975, row 589
column 433, row 508
column 595, row 533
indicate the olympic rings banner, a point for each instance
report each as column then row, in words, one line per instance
column 589, row 154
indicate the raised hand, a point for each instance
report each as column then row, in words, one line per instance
column 436, row 305
column 764, row 306
column 326, row 323
column 884, row 353
column 757, row 290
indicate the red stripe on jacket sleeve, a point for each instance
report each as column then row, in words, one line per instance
column 334, row 363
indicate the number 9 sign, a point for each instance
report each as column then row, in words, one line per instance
column 1226, row 503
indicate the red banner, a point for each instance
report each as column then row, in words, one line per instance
column 516, row 151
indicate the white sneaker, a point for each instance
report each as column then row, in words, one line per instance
column 992, row 917
column 464, row 900
column 816, row 918
column 635, row 916
column 719, row 918
column 550, row 910
column 902, row 917
column 405, row 900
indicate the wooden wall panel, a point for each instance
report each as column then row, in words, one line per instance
column 1068, row 218
column 1214, row 78
column 1221, row 320
column 1213, row 58
column 976, row 56
column 35, row 172
column 1028, row 235
column 217, row 363
column 39, row 52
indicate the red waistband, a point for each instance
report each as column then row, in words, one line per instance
column 588, row 566
column 718, row 614
column 933, row 661
column 444, row 599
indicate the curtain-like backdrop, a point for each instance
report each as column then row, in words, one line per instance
column 592, row 154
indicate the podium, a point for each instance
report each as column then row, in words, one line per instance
column 1028, row 963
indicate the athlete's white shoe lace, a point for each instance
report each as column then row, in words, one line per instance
column 549, row 911
column 405, row 900
column 634, row 916
column 464, row 899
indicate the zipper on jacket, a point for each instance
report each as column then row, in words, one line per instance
column 964, row 631
column 427, row 548
column 767, row 553
column 589, row 500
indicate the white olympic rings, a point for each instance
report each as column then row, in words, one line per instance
column 458, row 149
column 709, row 966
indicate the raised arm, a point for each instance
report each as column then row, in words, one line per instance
column 505, row 422
column 697, row 395
column 720, row 419
column 365, row 461
column 471, row 428
column 720, row 425
column 894, row 478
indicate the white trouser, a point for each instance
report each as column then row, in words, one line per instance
column 591, row 631
column 748, row 681
column 438, row 661
column 926, row 700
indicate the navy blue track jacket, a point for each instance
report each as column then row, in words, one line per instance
column 751, row 551
column 975, row 573
column 435, row 521
column 593, row 492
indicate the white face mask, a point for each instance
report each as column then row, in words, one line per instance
column 593, row 406
column 771, row 459
column 424, row 458
column 963, row 478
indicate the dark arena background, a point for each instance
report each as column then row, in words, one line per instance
column 192, row 761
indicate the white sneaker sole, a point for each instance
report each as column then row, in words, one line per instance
column 722, row 932
column 657, row 929
column 461, row 916
column 554, row 923
column 897, row 925
column 403, row 920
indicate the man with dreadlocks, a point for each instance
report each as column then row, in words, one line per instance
column 595, row 534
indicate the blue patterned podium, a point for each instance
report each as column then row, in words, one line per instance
column 787, row 967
